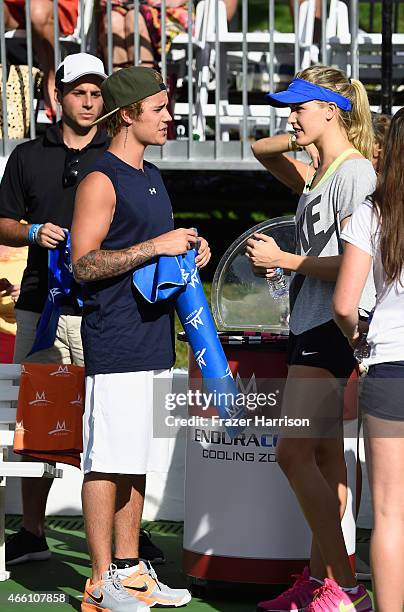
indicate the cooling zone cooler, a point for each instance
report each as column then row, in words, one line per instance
column 242, row 521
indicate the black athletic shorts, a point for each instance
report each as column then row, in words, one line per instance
column 322, row 347
column 382, row 392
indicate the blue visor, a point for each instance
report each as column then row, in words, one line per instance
column 300, row 91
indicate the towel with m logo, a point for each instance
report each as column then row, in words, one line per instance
column 49, row 412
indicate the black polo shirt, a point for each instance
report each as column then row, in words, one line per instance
column 32, row 189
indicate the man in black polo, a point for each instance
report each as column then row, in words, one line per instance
column 39, row 186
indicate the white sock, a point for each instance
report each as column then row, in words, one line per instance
column 316, row 580
column 352, row 590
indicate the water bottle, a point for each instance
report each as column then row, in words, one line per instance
column 362, row 349
column 197, row 244
column 277, row 285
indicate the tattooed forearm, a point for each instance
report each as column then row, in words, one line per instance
column 97, row 265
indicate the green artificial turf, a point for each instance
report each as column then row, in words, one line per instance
column 68, row 569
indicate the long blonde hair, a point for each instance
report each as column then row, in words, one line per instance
column 357, row 122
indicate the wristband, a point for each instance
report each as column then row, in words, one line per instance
column 33, row 232
column 36, row 233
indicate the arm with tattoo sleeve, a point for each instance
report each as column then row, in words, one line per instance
column 100, row 264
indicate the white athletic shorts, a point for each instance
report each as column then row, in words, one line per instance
column 118, row 423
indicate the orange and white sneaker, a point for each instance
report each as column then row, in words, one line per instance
column 109, row 595
column 142, row 583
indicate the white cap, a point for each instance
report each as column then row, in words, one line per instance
column 77, row 65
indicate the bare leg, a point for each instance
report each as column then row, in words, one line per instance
column 316, row 470
column 231, row 8
column 119, row 52
column 292, row 8
column 385, row 461
column 128, row 514
column 317, row 18
column 331, row 462
column 146, row 47
column 358, row 486
column 9, row 21
column 43, row 41
column 98, row 499
column 35, row 493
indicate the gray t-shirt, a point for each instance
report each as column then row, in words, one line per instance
column 318, row 227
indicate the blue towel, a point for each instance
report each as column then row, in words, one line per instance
column 60, row 283
column 178, row 276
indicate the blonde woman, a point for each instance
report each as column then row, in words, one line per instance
column 331, row 112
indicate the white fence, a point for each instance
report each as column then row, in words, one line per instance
column 220, row 75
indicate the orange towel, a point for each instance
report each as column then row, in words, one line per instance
column 49, row 412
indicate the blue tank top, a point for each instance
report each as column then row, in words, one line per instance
column 122, row 332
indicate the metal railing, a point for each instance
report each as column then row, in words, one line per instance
column 218, row 129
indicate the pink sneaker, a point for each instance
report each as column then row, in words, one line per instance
column 294, row 599
column 331, row 598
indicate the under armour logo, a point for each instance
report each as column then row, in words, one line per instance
column 152, row 191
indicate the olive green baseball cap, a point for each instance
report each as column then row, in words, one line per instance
column 127, row 86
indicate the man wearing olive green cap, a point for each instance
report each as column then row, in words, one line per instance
column 128, row 86
column 122, row 219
